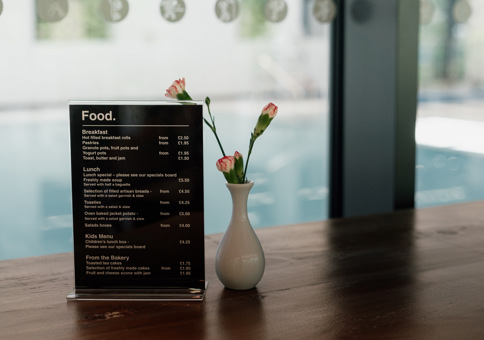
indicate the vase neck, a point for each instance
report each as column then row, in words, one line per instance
column 240, row 195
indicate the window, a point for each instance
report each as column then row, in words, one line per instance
column 241, row 65
column 450, row 124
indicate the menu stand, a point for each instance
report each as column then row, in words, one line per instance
column 137, row 197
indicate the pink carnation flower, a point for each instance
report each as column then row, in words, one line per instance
column 226, row 164
column 270, row 109
column 177, row 90
column 232, row 167
column 265, row 118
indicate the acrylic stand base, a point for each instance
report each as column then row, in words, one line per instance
column 165, row 294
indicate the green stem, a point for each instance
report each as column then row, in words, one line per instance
column 251, row 145
column 185, row 96
column 215, row 133
column 212, row 127
column 219, row 144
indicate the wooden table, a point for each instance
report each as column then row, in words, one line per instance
column 415, row 274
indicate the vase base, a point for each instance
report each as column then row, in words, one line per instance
column 239, row 289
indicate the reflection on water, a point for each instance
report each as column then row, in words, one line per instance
column 35, row 187
column 450, row 159
column 288, row 166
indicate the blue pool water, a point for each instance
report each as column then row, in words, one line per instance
column 288, row 166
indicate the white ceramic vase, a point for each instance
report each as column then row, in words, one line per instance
column 240, row 261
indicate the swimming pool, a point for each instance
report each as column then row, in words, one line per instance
column 288, row 166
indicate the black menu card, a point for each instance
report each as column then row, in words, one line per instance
column 137, row 195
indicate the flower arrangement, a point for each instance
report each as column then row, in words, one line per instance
column 232, row 167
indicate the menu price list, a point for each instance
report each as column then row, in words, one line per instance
column 137, row 183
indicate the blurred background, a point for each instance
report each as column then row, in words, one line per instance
column 242, row 54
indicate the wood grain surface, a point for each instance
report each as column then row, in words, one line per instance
column 416, row 274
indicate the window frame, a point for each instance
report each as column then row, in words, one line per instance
column 373, row 105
